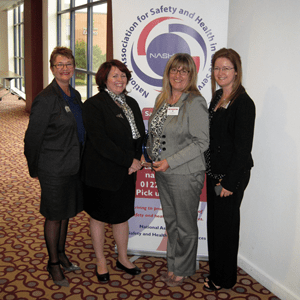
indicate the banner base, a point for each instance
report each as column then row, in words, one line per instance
column 157, row 254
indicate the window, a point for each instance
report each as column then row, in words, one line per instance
column 82, row 27
column 19, row 64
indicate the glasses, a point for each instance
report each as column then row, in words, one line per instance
column 61, row 66
column 224, row 69
column 181, row 72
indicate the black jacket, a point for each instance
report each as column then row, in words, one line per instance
column 51, row 140
column 231, row 137
column 110, row 148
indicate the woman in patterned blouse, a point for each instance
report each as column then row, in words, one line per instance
column 178, row 134
column 115, row 130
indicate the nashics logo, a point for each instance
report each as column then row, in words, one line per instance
column 146, row 50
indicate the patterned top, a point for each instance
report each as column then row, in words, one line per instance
column 127, row 111
column 207, row 152
column 156, row 128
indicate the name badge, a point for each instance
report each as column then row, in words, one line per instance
column 67, row 108
column 172, row 111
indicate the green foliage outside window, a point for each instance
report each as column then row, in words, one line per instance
column 81, row 60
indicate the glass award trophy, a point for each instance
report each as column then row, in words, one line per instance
column 146, row 151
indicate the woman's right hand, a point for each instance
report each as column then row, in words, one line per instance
column 161, row 166
column 143, row 160
column 136, row 165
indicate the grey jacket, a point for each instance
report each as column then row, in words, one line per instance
column 185, row 136
column 51, row 140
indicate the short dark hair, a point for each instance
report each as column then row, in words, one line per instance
column 63, row 51
column 102, row 73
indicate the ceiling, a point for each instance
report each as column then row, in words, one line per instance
column 8, row 4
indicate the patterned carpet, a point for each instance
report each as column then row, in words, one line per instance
column 23, row 254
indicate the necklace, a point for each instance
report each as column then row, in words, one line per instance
column 222, row 103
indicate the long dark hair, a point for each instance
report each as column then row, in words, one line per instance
column 237, row 88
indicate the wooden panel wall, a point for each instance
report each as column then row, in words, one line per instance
column 33, row 35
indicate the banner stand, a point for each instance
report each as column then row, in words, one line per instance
column 144, row 38
column 163, row 254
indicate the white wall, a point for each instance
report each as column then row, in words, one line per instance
column 6, row 44
column 49, row 36
column 266, row 35
column 10, row 42
column 3, row 41
column 7, row 47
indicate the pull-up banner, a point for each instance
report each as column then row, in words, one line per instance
column 145, row 35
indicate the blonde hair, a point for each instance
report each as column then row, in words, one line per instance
column 187, row 63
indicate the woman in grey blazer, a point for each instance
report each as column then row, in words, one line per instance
column 53, row 143
column 178, row 133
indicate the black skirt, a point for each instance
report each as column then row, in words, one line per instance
column 111, row 207
column 61, row 197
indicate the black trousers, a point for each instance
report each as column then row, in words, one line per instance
column 223, row 226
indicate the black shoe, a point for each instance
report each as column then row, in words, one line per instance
column 133, row 271
column 62, row 282
column 103, row 278
column 210, row 286
column 72, row 266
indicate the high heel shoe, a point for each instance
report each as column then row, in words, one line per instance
column 132, row 271
column 63, row 282
column 165, row 277
column 102, row 278
column 210, row 286
column 71, row 268
column 173, row 282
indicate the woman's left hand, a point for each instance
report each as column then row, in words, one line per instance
column 130, row 171
column 225, row 193
column 160, row 166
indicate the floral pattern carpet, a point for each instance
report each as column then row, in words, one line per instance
column 23, row 254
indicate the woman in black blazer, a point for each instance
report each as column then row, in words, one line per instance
column 53, row 143
column 229, row 160
column 112, row 154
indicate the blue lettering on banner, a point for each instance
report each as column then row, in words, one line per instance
column 159, row 235
column 137, row 87
column 204, row 81
column 149, row 227
column 135, row 233
column 163, row 9
column 125, row 41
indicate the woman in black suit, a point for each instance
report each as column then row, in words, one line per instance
column 115, row 131
column 53, row 143
column 229, row 160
